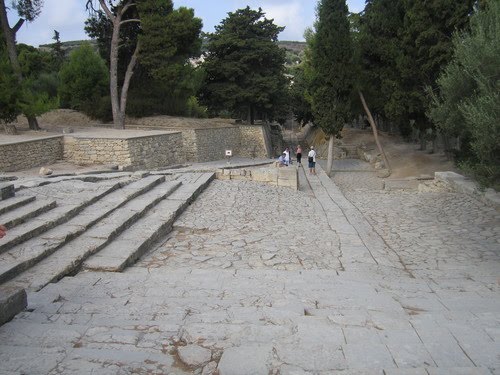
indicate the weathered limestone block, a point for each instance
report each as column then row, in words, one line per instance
column 265, row 175
column 12, row 302
column 6, row 190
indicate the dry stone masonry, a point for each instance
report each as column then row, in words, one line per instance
column 150, row 150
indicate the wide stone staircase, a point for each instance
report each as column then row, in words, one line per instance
column 54, row 231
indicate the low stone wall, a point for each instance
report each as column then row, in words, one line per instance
column 284, row 177
column 32, row 153
column 140, row 151
column 465, row 185
column 158, row 151
column 143, row 152
column 208, row 144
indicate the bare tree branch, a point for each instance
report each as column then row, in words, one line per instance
column 106, row 10
column 18, row 25
column 130, row 20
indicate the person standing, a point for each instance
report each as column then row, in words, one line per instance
column 298, row 152
column 287, row 156
column 311, row 158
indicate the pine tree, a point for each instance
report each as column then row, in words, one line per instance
column 332, row 72
column 245, row 67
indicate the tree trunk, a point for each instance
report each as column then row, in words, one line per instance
column 329, row 164
column 113, row 73
column 10, row 42
column 422, row 139
column 33, row 123
column 375, row 131
column 126, row 84
column 252, row 115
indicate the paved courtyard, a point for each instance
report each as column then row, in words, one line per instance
column 341, row 277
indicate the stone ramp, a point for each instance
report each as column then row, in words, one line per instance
column 157, row 223
column 243, row 322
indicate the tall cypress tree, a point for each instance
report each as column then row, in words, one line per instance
column 333, row 76
column 380, row 27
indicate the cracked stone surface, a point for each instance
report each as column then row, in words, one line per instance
column 341, row 277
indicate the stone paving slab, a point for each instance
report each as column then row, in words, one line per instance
column 228, row 312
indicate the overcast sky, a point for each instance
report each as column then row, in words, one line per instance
column 68, row 17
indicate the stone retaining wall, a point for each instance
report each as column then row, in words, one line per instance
column 209, row 144
column 138, row 152
column 29, row 154
column 145, row 152
column 253, row 142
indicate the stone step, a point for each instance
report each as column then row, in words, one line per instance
column 51, row 219
column 157, row 223
column 195, row 184
column 14, row 218
column 14, row 202
column 25, row 255
column 41, row 181
column 69, row 257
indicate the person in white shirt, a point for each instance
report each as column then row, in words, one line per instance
column 281, row 160
column 311, row 158
column 287, row 156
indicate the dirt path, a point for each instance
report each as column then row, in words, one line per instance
column 405, row 158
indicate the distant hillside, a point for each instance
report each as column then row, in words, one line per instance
column 68, row 46
column 294, row 52
column 296, row 47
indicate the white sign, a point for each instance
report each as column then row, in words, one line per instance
column 229, row 152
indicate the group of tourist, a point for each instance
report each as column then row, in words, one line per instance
column 284, row 160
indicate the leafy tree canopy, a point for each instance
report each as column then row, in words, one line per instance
column 468, row 102
column 84, row 78
column 245, row 67
column 9, row 92
column 28, row 9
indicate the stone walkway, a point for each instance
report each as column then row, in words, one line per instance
column 338, row 278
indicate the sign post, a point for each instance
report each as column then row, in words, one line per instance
column 229, row 154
